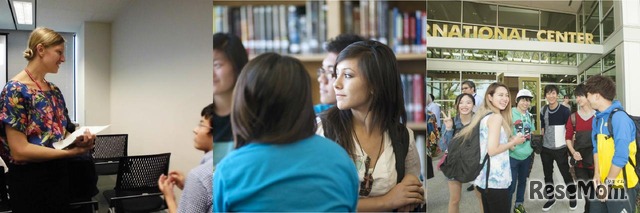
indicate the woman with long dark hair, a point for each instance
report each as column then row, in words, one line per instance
column 229, row 57
column 464, row 105
column 369, row 122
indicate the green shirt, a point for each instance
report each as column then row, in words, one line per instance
column 524, row 150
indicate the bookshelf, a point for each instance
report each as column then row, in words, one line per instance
column 411, row 59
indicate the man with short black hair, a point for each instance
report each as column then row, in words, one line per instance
column 579, row 142
column 553, row 120
column 612, row 151
column 468, row 87
column 324, row 74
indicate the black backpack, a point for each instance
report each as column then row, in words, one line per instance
column 636, row 121
column 462, row 162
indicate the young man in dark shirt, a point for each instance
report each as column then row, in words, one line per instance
column 553, row 119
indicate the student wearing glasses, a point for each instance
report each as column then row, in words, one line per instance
column 279, row 163
column 369, row 123
column 196, row 188
column 229, row 57
column 325, row 79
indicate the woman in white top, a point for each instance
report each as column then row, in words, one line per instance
column 370, row 124
column 494, row 141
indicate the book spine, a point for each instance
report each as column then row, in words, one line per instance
column 397, row 30
column 268, row 29
column 418, row 96
column 284, row 40
column 373, row 31
column 275, row 18
column 250, row 27
column 364, row 18
column 348, row 16
column 405, row 33
column 294, row 36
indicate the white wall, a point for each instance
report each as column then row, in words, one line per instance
column 94, row 67
column 627, row 54
column 161, row 76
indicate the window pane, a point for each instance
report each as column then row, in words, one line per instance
column 544, row 58
column 557, row 21
column 572, row 59
column 518, row 18
column 477, row 13
column 609, row 60
column 434, row 53
column 606, row 5
column 479, row 77
column 594, row 70
column 607, row 26
column 443, row 76
column 444, row 90
column 444, row 10
column 611, row 74
column 596, row 35
column 592, row 19
column 452, row 54
column 558, row 79
column 480, row 55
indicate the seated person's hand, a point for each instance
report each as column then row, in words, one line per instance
column 406, row 193
column 166, row 186
column 177, row 178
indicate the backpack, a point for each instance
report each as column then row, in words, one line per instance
column 462, row 162
column 636, row 121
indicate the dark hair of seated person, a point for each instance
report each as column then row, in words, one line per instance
column 272, row 102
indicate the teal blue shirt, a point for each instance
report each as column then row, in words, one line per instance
column 310, row 175
column 524, row 150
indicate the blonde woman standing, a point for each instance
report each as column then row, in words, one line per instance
column 494, row 118
column 33, row 118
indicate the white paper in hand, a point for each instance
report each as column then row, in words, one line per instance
column 69, row 140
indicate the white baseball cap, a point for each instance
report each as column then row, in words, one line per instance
column 524, row 93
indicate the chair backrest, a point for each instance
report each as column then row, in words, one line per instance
column 110, row 147
column 140, row 173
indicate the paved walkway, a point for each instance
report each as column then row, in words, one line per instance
column 438, row 193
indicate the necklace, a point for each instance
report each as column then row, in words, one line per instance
column 55, row 119
column 367, row 184
column 34, row 81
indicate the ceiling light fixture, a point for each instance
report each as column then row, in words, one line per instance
column 24, row 12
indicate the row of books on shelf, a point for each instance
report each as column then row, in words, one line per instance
column 275, row 28
column 295, row 29
column 404, row 31
column 414, row 96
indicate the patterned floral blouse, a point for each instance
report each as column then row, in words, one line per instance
column 38, row 114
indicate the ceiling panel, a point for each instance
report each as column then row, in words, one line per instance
column 65, row 15
column 33, row 11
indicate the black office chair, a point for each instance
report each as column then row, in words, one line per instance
column 137, row 184
column 85, row 206
column 107, row 152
